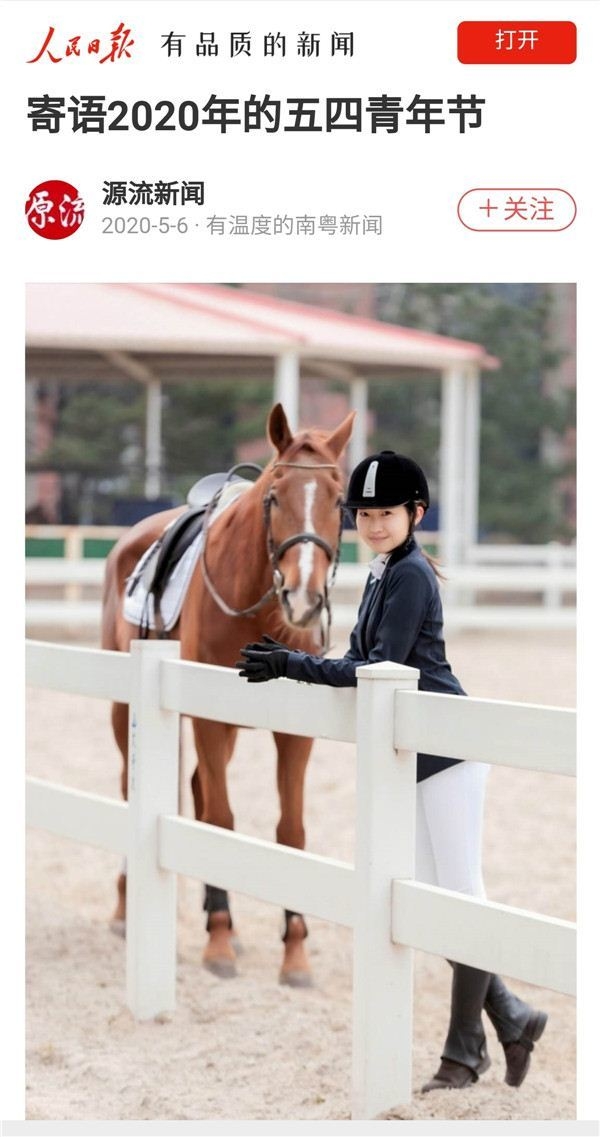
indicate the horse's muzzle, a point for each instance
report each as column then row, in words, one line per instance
column 302, row 607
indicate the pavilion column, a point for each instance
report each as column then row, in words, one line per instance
column 359, row 402
column 153, row 438
column 287, row 386
column 133, row 369
column 452, row 466
column 471, row 458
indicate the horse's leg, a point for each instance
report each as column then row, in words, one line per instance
column 215, row 899
column 120, row 725
column 214, row 746
column 292, row 759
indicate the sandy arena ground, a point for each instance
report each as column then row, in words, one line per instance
column 248, row 1048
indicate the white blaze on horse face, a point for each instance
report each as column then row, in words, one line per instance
column 299, row 599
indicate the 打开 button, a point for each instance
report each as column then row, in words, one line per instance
column 513, row 41
column 520, row 210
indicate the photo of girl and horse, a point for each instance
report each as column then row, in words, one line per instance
column 192, row 443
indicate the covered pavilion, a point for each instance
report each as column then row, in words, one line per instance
column 160, row 333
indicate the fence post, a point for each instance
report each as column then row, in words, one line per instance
column 73, row 553
column 554, row 560
column 385, row 839
column 152, row 790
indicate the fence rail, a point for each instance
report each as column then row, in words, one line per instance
column 464, row 928
column 521, row 735
column 75, row 542
column 302, row 882
column 502, row 577
column 75, row 537
column 552, row 553
column 88, row 818
column 390, row 913
column 65, row 590
column 99, row 674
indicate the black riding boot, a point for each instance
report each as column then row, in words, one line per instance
column 507, row 1013
column 465, row 1054
column 517, row 1025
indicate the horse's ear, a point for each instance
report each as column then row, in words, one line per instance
column 278, row 428
column 338, row 440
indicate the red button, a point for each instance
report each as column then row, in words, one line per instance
column 502, row 41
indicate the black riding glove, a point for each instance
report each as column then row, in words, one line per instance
column 261, row 662
column 267, row 643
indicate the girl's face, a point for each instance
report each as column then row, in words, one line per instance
column 384, row 529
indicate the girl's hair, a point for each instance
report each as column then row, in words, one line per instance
column 411, row 507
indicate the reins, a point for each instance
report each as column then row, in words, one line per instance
column 222, row 604
column 276, row 552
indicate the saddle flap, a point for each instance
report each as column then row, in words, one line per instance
column 157, row 587
column 176, row 538
column 147, row 576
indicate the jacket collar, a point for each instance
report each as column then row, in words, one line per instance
column 380, row 563
column 402, row 551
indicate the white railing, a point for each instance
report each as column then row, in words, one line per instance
column 391, row 914
column 550, row 585
column 552, row 554
column 544, row 573
column 552, row 580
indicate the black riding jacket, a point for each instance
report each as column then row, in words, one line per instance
column 399, row 619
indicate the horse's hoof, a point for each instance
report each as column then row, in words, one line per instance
column 296, row 979
column 222, row 968
column 118, row 928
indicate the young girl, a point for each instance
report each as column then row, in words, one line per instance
column 400, row 619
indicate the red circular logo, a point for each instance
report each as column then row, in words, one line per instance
column 54, row 210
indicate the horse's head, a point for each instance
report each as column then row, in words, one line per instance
column 304, row 512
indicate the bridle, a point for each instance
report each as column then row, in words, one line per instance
column 276, row 552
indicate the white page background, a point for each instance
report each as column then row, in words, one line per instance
column 538, row 130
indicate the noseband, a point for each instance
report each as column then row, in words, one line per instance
column 276, row 552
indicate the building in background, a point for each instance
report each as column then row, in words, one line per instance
column 557, row 381
column 88, row 416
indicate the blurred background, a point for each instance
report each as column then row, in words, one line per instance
column 136, row 391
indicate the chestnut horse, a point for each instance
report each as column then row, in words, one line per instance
column 267, row 558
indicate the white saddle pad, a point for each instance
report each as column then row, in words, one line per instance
column 138, row 605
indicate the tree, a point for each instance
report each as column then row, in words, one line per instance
column 519, row 488
column 97, row 439
column 203, row 425
column 98, row 442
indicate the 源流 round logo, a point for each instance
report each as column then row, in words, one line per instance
column 54, row 210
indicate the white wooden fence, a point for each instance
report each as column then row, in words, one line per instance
column 391, row 914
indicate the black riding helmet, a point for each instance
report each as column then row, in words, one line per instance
column 384, row 480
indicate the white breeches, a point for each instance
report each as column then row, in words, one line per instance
column 450, row 828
